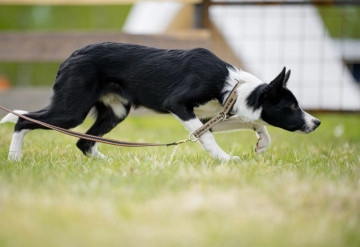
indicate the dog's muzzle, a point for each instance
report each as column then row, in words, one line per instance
column 311, row 124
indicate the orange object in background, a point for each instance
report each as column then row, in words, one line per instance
column 4, row 84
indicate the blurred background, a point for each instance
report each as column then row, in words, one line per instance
column 318, row 40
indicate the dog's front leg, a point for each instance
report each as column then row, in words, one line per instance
column 264, row 139
column 236, row 123
column 232, row 124
column 207, row 140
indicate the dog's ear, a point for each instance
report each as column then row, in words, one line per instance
column 286, row 78
column 273, row 89
column 278, row 83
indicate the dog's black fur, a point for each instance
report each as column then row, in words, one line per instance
column 162, row 80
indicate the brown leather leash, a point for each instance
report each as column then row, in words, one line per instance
column 193, row 137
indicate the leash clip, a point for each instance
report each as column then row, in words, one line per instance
column 181, row 141
column 223, row 115
column 192, row 137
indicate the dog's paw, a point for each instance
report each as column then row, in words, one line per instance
column 97, row 155
column 262, row 145
column 222, row 157
column 235, row 158
column 14, row 156
column 101, row 156
column 228, row 158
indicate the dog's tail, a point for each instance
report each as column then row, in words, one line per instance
column 11, row 117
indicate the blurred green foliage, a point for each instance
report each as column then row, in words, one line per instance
column 47, row 18
column 53, row 18
column 341, row 22
column 29, row 74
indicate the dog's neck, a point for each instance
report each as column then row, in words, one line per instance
column 241, row 107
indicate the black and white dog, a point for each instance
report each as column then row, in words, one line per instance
column 190, row 84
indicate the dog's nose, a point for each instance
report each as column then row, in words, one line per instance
column 317, row 122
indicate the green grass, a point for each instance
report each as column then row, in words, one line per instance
column 304, row 191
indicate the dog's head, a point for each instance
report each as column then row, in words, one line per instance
column 281, row 109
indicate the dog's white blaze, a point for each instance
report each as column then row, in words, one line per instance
column 207, row 140
column 16, row 144
column 309, row 124
column 11, row 117
column 116, row 102
column 240, row 107
column 309, row 120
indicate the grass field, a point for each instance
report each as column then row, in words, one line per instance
column 304, row 191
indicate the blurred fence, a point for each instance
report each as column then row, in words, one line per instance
column 318, row 40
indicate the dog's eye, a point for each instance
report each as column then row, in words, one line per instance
column 294, row 107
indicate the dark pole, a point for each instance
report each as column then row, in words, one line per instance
column 199, row 15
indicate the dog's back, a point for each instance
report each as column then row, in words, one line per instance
column 143, row 75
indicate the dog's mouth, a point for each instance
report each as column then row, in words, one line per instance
column 305, row 129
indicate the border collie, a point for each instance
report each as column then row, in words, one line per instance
column 190, row 84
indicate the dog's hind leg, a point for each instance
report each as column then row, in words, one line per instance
column 22, row 127
column 18, row 137
column 67, row 110
column 16, row 144
column 19, row 134
column 109, row 114
column 47, row 115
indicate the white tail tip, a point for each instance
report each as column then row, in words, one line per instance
column 11, row 117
